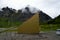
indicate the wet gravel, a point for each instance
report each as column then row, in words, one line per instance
column 41, row 36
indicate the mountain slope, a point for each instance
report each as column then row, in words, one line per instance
column 23, row 14
column 42, row 16
column 55, row 21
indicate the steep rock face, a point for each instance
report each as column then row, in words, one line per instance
column 55, row 20
column 42, row 16
column 23, row 14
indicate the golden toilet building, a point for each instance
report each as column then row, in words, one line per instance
column 31, row 26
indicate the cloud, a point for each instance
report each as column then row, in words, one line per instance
column 50, row 7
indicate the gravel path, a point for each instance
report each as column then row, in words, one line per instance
column 41, row 36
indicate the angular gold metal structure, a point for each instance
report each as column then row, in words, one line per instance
column 31, row 26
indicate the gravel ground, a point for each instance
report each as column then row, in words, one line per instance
column 41, row 36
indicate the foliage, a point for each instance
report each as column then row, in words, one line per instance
column 6, row 23
column 50, row 27
column 55, row 21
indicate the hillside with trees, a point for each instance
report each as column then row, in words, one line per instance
column 55, row 20
column 10, row 17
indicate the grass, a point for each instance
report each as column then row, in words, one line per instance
column 49, row 27
column 5, row 23
column 44, row 27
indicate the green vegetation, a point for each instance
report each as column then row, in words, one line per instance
column 6, row 23
column 49, row 27
column 55, row 21
column 9, row 18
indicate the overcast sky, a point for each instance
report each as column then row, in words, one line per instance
column 50, row 7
